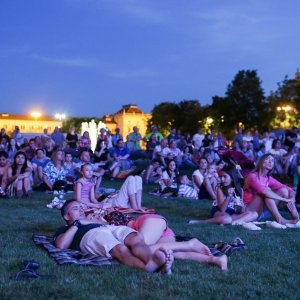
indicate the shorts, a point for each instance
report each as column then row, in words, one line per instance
column 214, row 209
column 101, row 240
column 140, row 220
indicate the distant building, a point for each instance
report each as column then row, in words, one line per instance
column 127, row 117
column 28, row 123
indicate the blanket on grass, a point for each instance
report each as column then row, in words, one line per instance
column 69, row 256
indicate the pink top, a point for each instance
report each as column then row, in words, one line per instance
column 86, row 187
column 255, row 184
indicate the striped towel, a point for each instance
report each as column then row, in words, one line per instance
column 69, row 256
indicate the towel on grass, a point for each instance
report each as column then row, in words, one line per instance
column 69, row 256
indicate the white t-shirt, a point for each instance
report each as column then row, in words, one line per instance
column 198, row 174
column 198, row 139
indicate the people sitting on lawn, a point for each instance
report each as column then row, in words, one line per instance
column 228, row 207
column 18, row 178
column 205, row 180
column 54, row 173
column 121, row 159
column 153, row 173
column 119, row 242
column 39, row 161
column 159, row 150
column 172, row 153
column 129, row 196
column 168, row 182
column 263, row 193
column 280, row 157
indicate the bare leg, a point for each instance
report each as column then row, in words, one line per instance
column 218, row 218
column 194, row 245
column 209, row 188
column 245, row 217
column 136, row 244
column 220, row 261
column 152, row 230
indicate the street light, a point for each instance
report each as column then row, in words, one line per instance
column 35, row 114
column 285, row 108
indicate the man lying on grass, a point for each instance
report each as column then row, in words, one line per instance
column 119, row 242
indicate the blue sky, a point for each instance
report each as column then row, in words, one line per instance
column 89, row 57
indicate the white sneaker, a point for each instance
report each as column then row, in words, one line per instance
column 274, row 224
column 250, row 226
column 297, row 225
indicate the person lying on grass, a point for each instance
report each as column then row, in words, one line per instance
column 158, row 235
column 129, row 196
column 224, row 209
column 119, row 242
column 263, row 192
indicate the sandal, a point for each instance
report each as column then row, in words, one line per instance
column 224, row 248
column 238, row 244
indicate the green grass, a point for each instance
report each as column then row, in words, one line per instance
column 268, row 269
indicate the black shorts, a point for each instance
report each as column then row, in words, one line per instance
column 214, row 209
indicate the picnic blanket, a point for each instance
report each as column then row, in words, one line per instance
column 69, row 256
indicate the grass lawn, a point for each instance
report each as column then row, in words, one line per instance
column 268, row 269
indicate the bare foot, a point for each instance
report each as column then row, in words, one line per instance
column 221, row 261
column 169, row 259
column 161, row 260
column 199, row 247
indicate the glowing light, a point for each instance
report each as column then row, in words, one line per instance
column 60, row 117
column 35, row 114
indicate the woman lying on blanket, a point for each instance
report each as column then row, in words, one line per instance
column 129, row 196
column 157, row 234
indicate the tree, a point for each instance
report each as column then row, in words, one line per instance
column 244, row 103
column 285, row 103
column 187, row 115
column 164, row 115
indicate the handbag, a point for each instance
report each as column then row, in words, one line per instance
column 239, row 206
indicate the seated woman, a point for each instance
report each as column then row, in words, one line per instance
column 168, row 184
column 19, row 177
column 205, row 180
column 153, row 173
column 54, row 173
column 261, row 191
column 224, row 208
column 280, row 159
column 84, row 142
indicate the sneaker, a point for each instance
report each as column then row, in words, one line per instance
column 297, row 225
column 250, row 226
column 274, row 224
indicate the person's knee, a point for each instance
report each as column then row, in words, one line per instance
column 253, row 215
column 227, row 219
column 120, row 252
column 134, row 239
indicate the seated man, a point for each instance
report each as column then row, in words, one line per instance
column 122, row 162
column 119, row 242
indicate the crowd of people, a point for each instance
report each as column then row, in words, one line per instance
column 50, row 162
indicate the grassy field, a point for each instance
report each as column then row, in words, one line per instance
column 268, row 269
